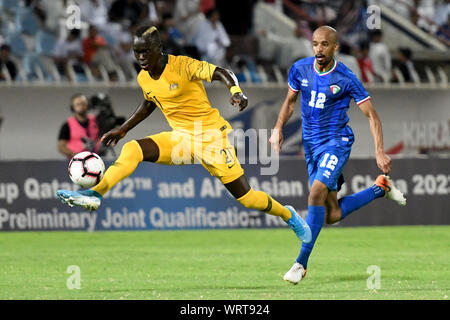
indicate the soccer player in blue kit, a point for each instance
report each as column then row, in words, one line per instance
column 326, row 88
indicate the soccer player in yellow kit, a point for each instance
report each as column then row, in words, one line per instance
column 174, row 84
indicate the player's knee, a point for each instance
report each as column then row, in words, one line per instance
column 131, row 151
column 317, row 196
column 150, row 150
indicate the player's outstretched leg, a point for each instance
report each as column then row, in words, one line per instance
column 382, row 187
column 130, row 156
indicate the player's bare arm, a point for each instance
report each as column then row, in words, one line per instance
column 227, row 77
column 64, row 149
column 383, row 160
column 286, row 111
column 142, row 112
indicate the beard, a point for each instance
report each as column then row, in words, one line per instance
column 322, row 60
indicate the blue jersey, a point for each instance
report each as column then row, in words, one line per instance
column 325, row 99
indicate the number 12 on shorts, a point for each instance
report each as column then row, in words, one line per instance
column 329, row 163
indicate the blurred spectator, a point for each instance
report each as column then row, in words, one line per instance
column 365, row 64
column 124, row 54
column 442, row 12
column 283, row 50
column 69, row 53
column 170, row 46
column 95, row 13
column 8, row 69
column 299, row 47
column 405, row 65
column 444, row 31
column 380, row 57
column 80, row 132
column 56, row 15
column 212, row 40
column 96, row 54
column 276, row 4
column 168, row 23
column 188, row 15
column 346, row 57
column 131, row 10
column 425, row 10
column 403, row 8
column 153, row 15
column 38, row 10
column 207, row 5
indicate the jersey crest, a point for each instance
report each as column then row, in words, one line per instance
column 335, row 88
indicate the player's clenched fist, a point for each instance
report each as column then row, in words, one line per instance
column 239, row 100
column 384, row 162
column 113, row 136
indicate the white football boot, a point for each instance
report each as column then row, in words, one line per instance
column 295, row 274
column 391, row 192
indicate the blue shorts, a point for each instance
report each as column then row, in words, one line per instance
column 326, row 166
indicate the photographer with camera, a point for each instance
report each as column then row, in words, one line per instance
column 80, row 132
column 101, row 106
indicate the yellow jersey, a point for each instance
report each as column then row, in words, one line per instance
column 180, row 94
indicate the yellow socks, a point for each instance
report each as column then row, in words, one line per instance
column 262, row 201
column 129, row 158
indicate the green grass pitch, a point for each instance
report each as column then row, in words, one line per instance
column 226, row 264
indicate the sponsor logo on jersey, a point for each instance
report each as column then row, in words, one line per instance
column 335, row 89
column 173, row 86
column 305, row 82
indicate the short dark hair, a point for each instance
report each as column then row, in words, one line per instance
column 5, row 47
column 150, row 31
column 167, row 16
column 75, row 33
column 210, row 12
column 76, row 95
column 406, row 52
column 376, row 33
column 363, row 45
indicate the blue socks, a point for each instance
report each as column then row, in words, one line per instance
column 348, row 204
column 315, row 220
column 355, row 201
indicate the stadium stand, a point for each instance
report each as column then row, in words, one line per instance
column 259, row 54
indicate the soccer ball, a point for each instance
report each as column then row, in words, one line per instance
column 86, row 169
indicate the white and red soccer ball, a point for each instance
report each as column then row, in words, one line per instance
column 86, row 169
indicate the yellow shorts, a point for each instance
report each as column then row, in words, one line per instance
column 211, row 148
